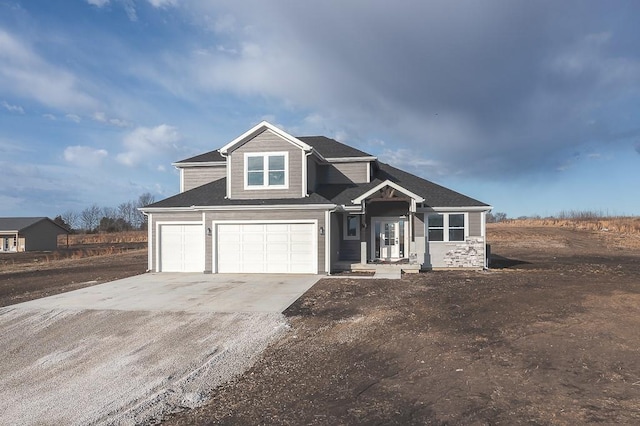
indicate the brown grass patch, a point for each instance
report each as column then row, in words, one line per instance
column 103, row 238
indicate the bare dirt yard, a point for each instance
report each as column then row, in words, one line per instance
column 31, row 275
column 550, row 335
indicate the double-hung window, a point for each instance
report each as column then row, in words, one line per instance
column 266, row 170
column 446, row 227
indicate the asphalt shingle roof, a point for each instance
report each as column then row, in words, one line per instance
column 331, row 148
column 434, row 195
column 213, row 194
column 20, row 223
column 207, row 157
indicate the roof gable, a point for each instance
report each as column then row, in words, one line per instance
column 387, row 184
column 255, row 131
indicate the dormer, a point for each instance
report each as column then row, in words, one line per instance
column 266, row 163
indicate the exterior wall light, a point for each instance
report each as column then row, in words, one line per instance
column 322, row 230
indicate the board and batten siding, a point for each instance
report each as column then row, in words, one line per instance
column 355, row 172
column 266, row 215
column 266, row 142
column 193, row 177
column 312, row 174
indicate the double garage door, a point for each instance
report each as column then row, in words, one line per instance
column 266, row 248
column 241, row 248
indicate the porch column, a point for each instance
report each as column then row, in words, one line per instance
column 363, row 239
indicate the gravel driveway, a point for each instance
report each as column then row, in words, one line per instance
column 122, row 366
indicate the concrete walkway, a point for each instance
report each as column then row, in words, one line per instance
column 180, row 292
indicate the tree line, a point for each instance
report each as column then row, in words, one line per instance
column 124, row 217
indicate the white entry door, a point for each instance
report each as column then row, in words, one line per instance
column 266, row 248
column 389, row 240
column 181, row 248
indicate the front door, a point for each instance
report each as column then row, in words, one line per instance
column 389, row 240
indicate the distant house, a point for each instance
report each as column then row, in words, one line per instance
column 270, row 202
column 29, row 234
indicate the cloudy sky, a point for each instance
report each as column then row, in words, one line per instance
column 532, row 107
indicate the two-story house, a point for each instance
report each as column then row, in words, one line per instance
column 269, row 202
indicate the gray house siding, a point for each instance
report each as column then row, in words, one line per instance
column 41, row 236
column 266, row 141
column 344, row 173
column 192, row 177
column 312, row 174
column 475, row 224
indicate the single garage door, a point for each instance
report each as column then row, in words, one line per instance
column 267, row 248
column 181, row 248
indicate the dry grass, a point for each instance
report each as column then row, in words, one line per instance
column 110, row 238
column 619, row 225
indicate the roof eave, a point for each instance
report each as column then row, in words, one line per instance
column 180, row 165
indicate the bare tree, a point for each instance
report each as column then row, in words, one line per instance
column 90, row 218
column 143, row 200
column 127, row 211
column 70, row 218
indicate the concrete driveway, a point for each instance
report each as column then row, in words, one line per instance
column 128, row 351
column 179, row 292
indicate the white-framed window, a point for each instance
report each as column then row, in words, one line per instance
column 446, row 227
column 351, row 227
column 266, row 170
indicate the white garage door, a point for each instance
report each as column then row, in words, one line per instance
column 181, row 248
column 267, row 248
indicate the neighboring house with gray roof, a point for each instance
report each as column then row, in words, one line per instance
column 270, row 202
column 19, row 234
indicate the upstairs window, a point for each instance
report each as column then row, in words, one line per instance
column 446, row 227
column 264, row 171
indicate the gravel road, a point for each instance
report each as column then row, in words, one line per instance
column 120, row 367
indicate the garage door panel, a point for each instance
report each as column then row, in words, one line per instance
column 266, row 248
column 181, row 248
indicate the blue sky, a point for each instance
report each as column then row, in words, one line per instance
column 532, row 107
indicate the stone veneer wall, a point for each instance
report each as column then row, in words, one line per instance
column 469, row 254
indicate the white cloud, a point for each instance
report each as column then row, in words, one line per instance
column 23, row 72
column 163, row 3
column 13, row 108
column 98, row 3
column 85, row 156
column 102, row 117
column 146, row 143
column 49, row 117
column 73, row 117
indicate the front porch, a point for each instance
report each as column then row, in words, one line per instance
column 350, row 266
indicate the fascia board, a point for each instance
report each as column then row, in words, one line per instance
column 455, row 209
column 242, row 207
column 260, row 127
column 350, row 159
column 394, row 185
column 200, row 164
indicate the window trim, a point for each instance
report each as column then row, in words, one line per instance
column 345, row 234
column 265, row 170
column 445, row 226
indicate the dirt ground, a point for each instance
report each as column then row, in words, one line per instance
column 550, row 335
column 31, row 275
